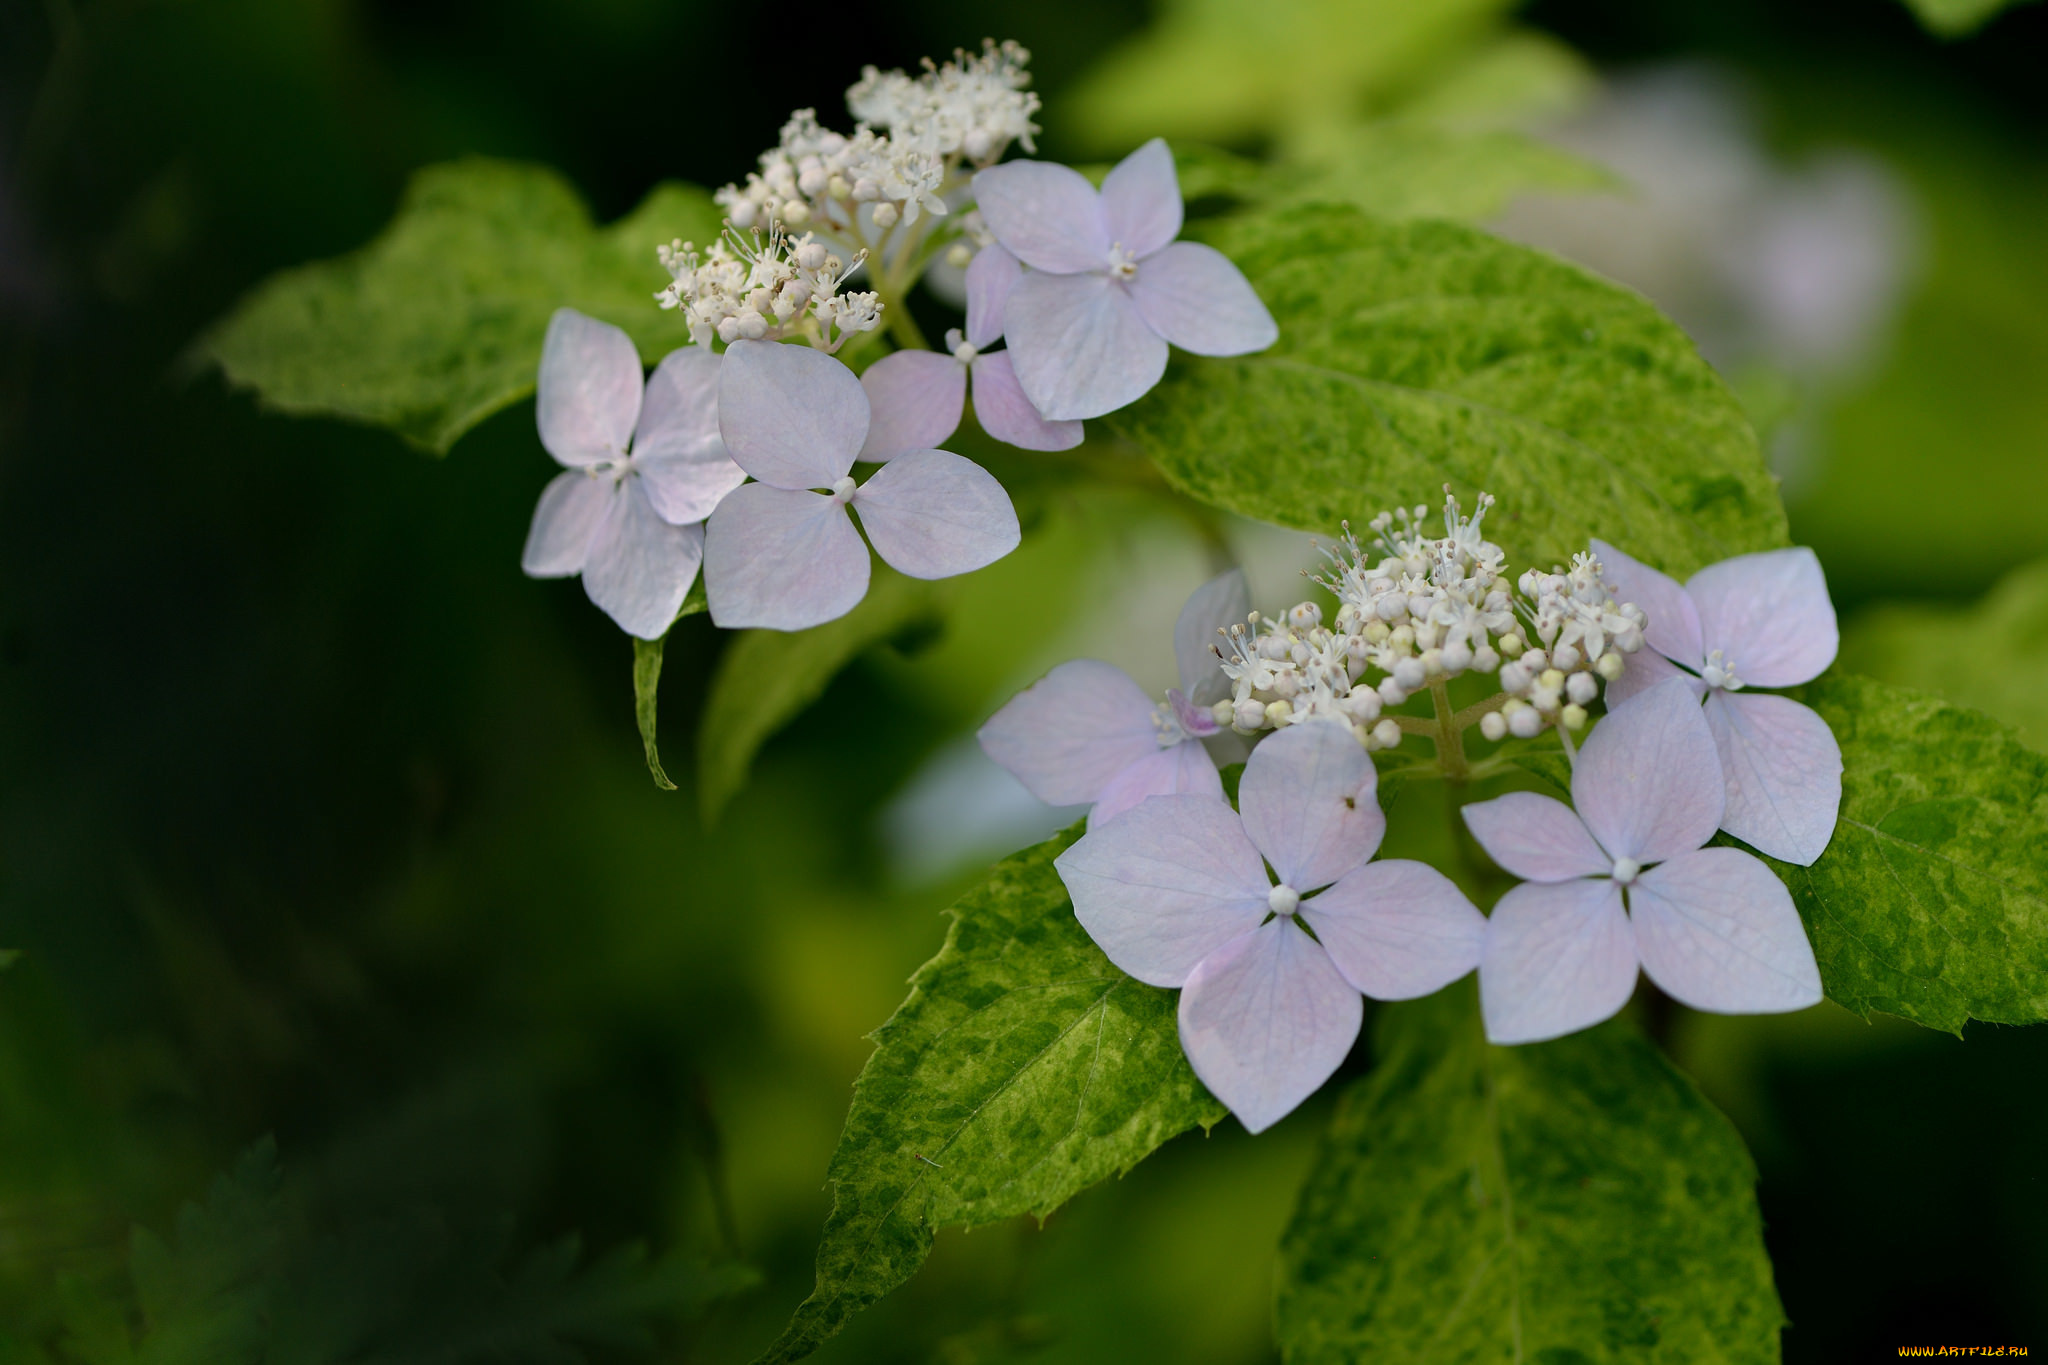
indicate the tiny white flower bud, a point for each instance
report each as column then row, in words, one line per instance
column 1574, row 717
column 838, row 187
column 1277, row 713
column 1565, row 657
column 1535, row 660
column 1377, row 632
column 1525, row 722
column 1402, row 638
column 1629, row 638
column 1514, row 677
column 795, row 211
column 1425, row 635
column 1387, row 734
column 1304, row 616
column 978, row 143
column 886, row 215
column 1513, row 645
column 1362, row 704
column 1545, row 699
column 1494, row 726
column 1286, row 684
column 728, row 330
column 1363, row 736
column 1223, row 712
column 1393, row 606
column 1457, row 657
column 1392, row 692
column 959, row 255
column 1249, row 714
column 866, row 191
column 1611, row 665
column 1551, row 679
column 752, row 325
column 1409, row 675
column 1581, row 688
column 1485, row 659
column 812, row 255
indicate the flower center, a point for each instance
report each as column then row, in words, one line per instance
column 1283, row 899
column 1720, row 673
column 1122, row 264
column 842, row 492
column 1626, row 870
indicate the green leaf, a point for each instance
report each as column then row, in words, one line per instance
column 1957, row 18
column 437, row 323
column 1573, row 1201
column 1942, row 650
column 1022, row 1069
column 8, row 957
column 1550, row 767
column 767, row 677
column 1416, row 170
column 1416, row 354
column 1931, row 901
column 1225, row 71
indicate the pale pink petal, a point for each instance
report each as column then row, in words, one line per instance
column 791, row 416
column 1080, row 346
column 1265, row 1020
column 1770, row 614
column 1179, row 769
column 1648, row 782
column 931, row 514
column 1068, row 734
column 991, row 275
column 1193, row 296
column 1674, row 624
column 640, row 567
column 677, row 450
column 914, row 401
column 783, row 559
column 1141, row 199
column 565, row 521
column 1643, row 670
column 1397, row 929
column 1222, row 602
column 679, row 415
column 1536, row 838
column 1559, row 957
column 1047, row 216
column 1165, row 884
column 1006, row 414
column 1716, row 930
column 1198, row 721
column 1309, row 803
column 1783, row 770
column 589, row 395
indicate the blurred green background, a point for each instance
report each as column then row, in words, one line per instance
column 317, row 820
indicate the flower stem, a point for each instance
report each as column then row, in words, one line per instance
column 1448, row 734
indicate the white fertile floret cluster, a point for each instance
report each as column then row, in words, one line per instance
column 1416, row 611
column 974, row 106
column 755, row 289
column 818, row 174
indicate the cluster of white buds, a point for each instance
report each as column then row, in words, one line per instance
column 1581, row 637
column 754, row 289
column 817, row 175
column 1418, row 610
column 974, row 106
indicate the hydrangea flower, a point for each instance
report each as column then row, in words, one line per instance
column 1087, row 732
column 1176, row 892
column 782, row 552
column 1109, row 286
column 1712, row 926
column 917, row 396
column 645, row 466
column 1755, row 620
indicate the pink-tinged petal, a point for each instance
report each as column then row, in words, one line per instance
column 1644, row 670
column 1068, row 734
column 1309, row 803
column 1397, row 929
column 914, row 401
column 679, row 415
column 589, row 394
column 1006, row 414
column 782, row 559
column 1648, row 782
column 1165, row 884
column 1716, row 930
column 1047, row 216
column 1080, row 346
column 931, row 514
column 991, row 275
column 791, row 416
column 1198, row 721
column 1265, row 1020
column 1559, row 957
column 1141, row 199
column 1219, row 604
column 1770, row 613
column 684, row 491
column 565, row 521
column 1183, row 769
column 1783, row 770
column 640, row 567
column 1674, row 623
column 1536, row 838
column 1193, row 296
